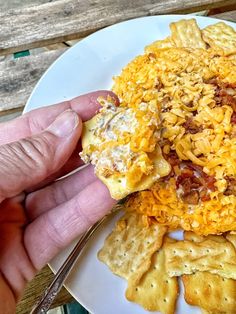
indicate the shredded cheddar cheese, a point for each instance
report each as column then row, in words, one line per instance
column 178, row 80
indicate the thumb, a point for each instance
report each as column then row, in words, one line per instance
column 29, row 161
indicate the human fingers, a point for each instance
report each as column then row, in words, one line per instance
column 73, row 163
column 55, row 229
column 59, row 192
column 37, row 120
column 29, row 161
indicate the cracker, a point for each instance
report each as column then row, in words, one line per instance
column 192, row 236
column 128, row 249
column 106, row 143
column 187, row 257
column 186, row 33
column 160, row 44
column 231, row 237
column 156, row 291
column 211, row 292
column 220, row 36
column 232, row 58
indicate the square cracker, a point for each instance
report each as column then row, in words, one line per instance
column 156, row 291
column 186, row 33
column 220, row 36
column 211, row 292
column 129, row 247
column 205, row 254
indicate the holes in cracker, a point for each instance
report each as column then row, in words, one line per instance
column 152, row 285
column 164, row 300
column 226, row 300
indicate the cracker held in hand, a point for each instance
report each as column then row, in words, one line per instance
column 211, row 292
column 122, row 144
column 128, row 249
column 156, row 290
column 187, row 257
column 186, row 33
column 220, row 36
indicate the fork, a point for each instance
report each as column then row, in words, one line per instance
column 45, row 301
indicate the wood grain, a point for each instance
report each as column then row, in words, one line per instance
column 35, row 289
column 8, row 115
column 13, row 4
column 19, row 76
column 229, row 16
column 64, row 20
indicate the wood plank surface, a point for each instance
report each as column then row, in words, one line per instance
column 63, row 20
column 13, row 4
column 229, row 16
column 19, row 76
column 8, row 115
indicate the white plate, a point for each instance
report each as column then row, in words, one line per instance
column 88, row 66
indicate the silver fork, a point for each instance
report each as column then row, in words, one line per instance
column 45, row 301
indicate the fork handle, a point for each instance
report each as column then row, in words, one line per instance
column 44, row 303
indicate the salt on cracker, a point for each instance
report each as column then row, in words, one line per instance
column 128, row 249
column 187, row 257
column 156, row 291
column 186, row 33
column 210, row 292
column 220, row 36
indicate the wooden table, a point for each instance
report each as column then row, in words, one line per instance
column 45, row 31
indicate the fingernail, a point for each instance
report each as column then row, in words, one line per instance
column 64, row 124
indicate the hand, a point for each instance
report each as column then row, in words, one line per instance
column 35, row 149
